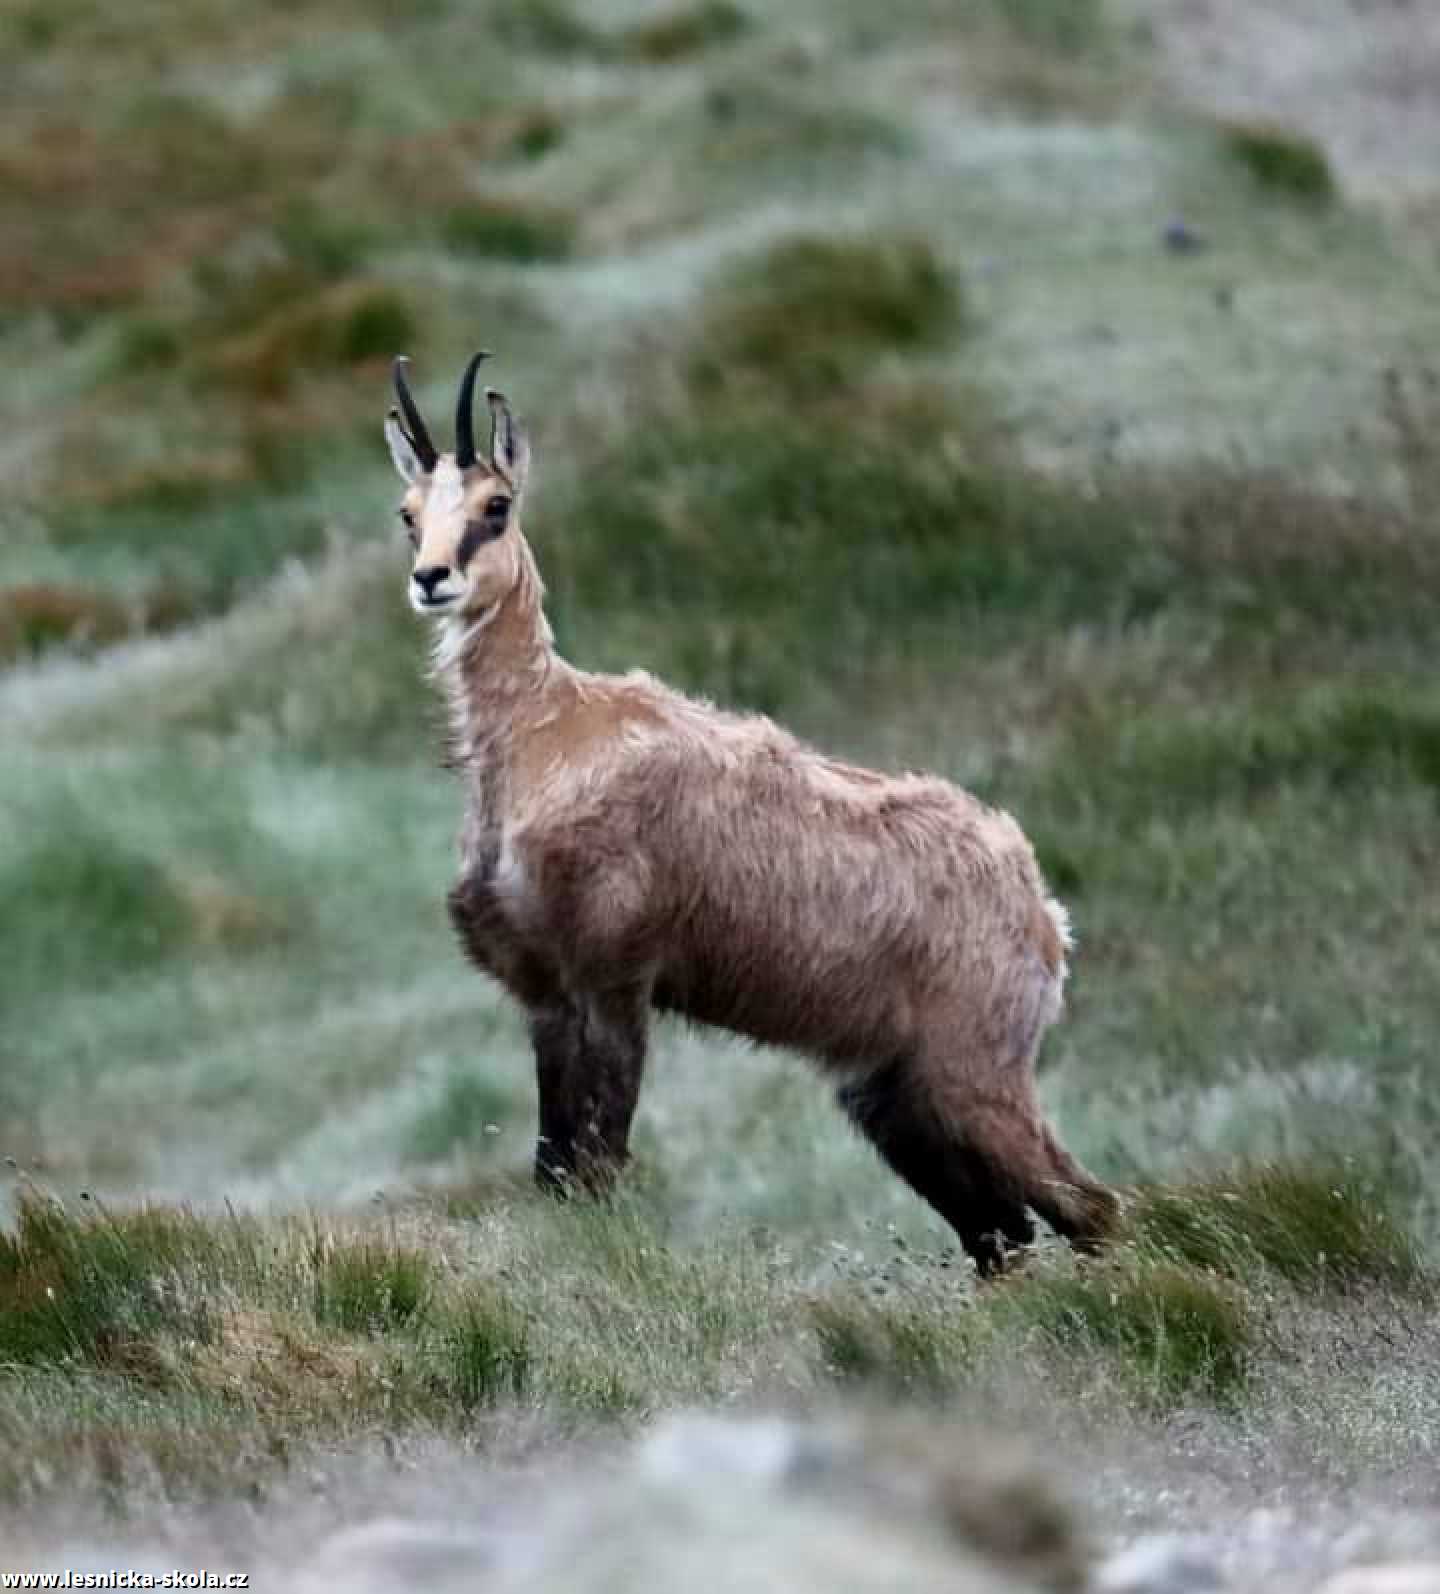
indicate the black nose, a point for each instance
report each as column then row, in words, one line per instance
column 430, row 577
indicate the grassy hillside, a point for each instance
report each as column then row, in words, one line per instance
column 986, row 388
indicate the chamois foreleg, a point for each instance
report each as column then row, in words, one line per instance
column 556, row 1031
column 961, row 1183
column 590, row 1058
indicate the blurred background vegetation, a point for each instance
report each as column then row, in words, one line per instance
column 1032, row 392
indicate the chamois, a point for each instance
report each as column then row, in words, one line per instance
column 627, row 848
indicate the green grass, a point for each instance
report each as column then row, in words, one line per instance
column 1282, row 162
column 899, row 1344
column 286, row 1332
column 508, row 230
column 1065, row 28
column 1335, row 738
column 797, row 318
column 1167, row 1332
column 365, row 1287
column 1309, row 1225
column 549, row 27
column 555, row 28
column 875, row 403
column 45, row 615
column 486, row 1352
column 684, row 32
column 469, row 1107
column 102, row 1292
column 106, row 908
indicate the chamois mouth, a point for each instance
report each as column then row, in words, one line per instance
column 436, row 605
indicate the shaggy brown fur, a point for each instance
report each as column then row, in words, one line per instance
column 626, row 848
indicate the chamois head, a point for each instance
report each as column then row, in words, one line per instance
column 459, row 508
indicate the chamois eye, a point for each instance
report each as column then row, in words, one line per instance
column 408, row 520
column 495, row 509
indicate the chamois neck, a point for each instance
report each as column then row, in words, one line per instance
column 496, row 666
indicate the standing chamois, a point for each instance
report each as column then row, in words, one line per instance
column 626, row 848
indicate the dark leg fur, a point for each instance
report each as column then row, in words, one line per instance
column 589, row 1049
column 589, row 1057
column 1091, row 1209
column 555, row 1032
column 1014, row 1135
column 961, row 1183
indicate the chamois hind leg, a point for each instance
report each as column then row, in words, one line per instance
column 1012, row 1133
column 940, row 1165
column 590, row 1058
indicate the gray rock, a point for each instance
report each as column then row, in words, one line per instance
column 391, row 1553
column 1409, row 1577
column 1161, row 1563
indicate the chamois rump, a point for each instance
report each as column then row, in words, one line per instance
column 625, row 848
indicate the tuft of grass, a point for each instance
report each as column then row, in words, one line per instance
column 1171, row 1332
column 317, row 240
column 680, row 34
column 545, row 27
column 798, row 316
column 45, row 615
column 364, row 1286
column 535, row 133
column 486, row 1352
column 905, row 1344
column 342, row 326
column 551, row 27
column 1281, row 162
column 1065, row 27
column 102, row 1289
column 1315, row 1226
column 509, row 229
column 146, row 343
column 650, row 1313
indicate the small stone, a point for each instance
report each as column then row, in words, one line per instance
column 688, row 1445
column 1409, row 1577
column 1180, row 238
column 1163, row 1563
column 379, row 1556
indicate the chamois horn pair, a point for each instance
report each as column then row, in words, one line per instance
column 414, row 427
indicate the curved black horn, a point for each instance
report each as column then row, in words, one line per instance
column 419, row 437
column 465, row 413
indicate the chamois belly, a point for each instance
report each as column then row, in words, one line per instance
column 763, row 1009
column 842, row 993
column 845, row 945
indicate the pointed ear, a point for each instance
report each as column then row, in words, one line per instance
column 402, row 450
column 509, row 445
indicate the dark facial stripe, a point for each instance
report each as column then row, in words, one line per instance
column 476, row 533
